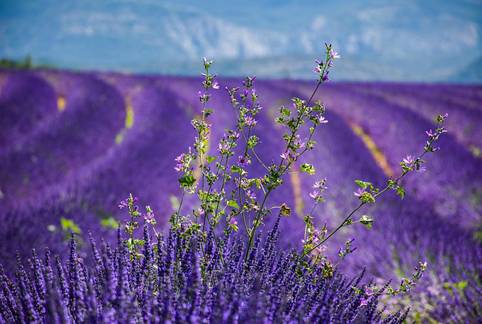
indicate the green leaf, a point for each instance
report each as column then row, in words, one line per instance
column 461, row 285
column 258, row 184
column 109, row 222
column 210, row 159
column 232, row 203
column 366, row 220
column 364, row 184
column 69, row 225
column 401, row 192
column 187, row 181
column 285, row 112
column 309, row 168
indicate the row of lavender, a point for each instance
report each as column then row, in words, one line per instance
column 68, row 163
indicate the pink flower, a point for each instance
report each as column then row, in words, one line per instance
column 315, row 194
column 334, row 54
column 359, row 192
column 322, row 119
column 250, row 121
column 409, row 159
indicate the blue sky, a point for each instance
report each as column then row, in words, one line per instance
column 410, row 40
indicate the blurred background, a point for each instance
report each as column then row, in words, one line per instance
column 401, row 40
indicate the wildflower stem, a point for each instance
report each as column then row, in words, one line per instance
column 179, row 209
column 332, row 233
column 256, row 223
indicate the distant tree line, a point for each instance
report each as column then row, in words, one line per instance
column 25, row 64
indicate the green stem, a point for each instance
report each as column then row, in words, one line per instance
column 332, row 233
column 256, row 224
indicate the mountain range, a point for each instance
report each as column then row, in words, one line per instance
column 429, row 41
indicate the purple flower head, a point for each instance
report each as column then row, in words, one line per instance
column 251, row 195
column 249, row 121
column 315, row 194
column 322, row 119
column 124, row 203
column 286, row 155
column 223, row 147
column 409, row 159
column 215, row 85
column 245, row 182
column 359, row 192
column 207, row 63
column 243, row 161
column 325, row 77
column 233, row 221
column 201, row 94
column 258, row 106
column 320, row 184
column 430, row 134
column 317, row 69
column 334, row 54
column 149, row 217
column 422, row 169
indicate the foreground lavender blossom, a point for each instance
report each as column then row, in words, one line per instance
column 435, row 222
column 182, row 280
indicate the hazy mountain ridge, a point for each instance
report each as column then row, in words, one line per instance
column 410, row 40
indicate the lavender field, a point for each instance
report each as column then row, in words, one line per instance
column 72, row 145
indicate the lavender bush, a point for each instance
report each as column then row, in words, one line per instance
column 206, row 270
